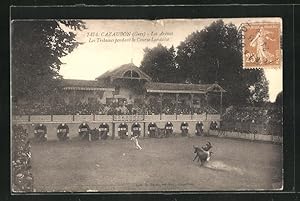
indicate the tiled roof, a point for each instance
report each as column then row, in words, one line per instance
column 85, row 85
column 159, row 87
column 119, row 72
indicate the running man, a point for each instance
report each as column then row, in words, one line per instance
column 136, row 142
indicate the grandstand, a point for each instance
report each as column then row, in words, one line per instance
column 125, row 90
column 127, row 94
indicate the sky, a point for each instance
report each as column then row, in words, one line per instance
column 108, row 44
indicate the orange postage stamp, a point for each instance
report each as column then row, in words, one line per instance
column 262, row 45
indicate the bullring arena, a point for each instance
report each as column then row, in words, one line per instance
column 164, row 164
column 247, row 153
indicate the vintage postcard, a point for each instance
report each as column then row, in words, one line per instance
column 146, row 105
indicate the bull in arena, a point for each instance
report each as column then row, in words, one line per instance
column 202, row 153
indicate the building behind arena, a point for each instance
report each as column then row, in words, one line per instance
column 131, row 90
column 127, row 94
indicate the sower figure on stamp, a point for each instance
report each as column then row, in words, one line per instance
column 260, row 41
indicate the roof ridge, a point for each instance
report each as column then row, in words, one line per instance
column 79, row 80
column 179, row 83
column 121, row 69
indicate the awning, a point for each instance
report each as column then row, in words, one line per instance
column 159, row 87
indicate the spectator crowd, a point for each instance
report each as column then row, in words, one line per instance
column 266, row 120
column 258, row 115
column 107, row 109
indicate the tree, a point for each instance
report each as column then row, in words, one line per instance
column 214, row 54
column 259, row 93
column 279, row 99
column 159, row 63
column 37, row 47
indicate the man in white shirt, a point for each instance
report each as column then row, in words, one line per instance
column 136, row 142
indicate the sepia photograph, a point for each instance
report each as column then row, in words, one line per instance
column 132, row 105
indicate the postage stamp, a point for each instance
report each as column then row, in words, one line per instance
column 261, row 45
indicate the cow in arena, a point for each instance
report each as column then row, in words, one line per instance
column 202, row 153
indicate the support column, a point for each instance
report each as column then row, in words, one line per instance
column 113, row 134
column 192, row 105
column 161, row 99
column 206, row 98
column 206, row 102
column 113, row 106
column 144, row 129
column 144, row 111
column 176, row 105
column 221, row 103
column 74, row 100
column 200, row 99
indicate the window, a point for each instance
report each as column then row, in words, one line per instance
column 135, row 74
column 131, row 73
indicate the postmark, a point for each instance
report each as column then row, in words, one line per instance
column 261, row 45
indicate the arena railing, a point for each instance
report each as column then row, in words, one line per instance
column 111, row 118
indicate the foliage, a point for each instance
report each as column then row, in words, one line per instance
column 37, row 47
column 159, row 63
column 211, row 55
column 214, row 54
column 259, row 90
column 22, row 178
